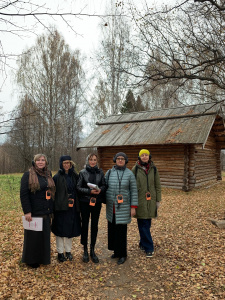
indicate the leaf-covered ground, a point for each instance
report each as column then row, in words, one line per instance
column 189, row 260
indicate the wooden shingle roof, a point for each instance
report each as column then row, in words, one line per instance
column 180, row 125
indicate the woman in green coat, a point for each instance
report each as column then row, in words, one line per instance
column 149, row 197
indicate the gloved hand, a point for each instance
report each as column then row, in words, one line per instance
column 157, row 204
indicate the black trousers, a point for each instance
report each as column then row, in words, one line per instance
column 87, row 211
column 117, row 238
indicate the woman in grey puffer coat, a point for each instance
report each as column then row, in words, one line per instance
column 121, row 204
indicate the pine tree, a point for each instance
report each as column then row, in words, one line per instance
column 129, row 104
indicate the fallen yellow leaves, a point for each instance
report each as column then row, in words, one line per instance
column 189, row 260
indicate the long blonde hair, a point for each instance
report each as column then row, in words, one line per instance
column 33, row 178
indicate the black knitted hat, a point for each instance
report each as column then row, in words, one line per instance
column 62, row 159
column 120, row 154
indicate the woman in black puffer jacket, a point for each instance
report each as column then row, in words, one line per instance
column 91, row 200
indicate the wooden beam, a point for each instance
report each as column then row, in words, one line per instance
column 157, row 119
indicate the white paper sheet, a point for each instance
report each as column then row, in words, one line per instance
column 36, row 224
column 93, row 186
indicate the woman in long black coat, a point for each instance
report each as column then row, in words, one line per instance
column 36, row 194
column 66, row 222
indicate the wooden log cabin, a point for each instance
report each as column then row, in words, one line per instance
column 185, row 142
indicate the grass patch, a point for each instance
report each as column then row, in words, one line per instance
column 10, row 192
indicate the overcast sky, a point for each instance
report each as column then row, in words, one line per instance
column 86, row 39
column 87, row 29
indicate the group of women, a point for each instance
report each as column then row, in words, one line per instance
column 70, row 200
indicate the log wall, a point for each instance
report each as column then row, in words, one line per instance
column 180, row 166
column 207, row 162
column 169, row 160
column 191, row 169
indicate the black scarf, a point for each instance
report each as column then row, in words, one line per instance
column 120, row 168
column 92, row 173
column 62, row 190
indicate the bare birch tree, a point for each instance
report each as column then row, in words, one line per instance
column 50, row 74
column 113, row 55
column 182, row 47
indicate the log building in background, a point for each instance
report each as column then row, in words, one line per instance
column 185, row 142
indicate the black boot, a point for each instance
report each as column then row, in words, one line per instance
column 61, row 257
column 35, row 265
column 69, row 256
column 94, row 257
column 85, row 255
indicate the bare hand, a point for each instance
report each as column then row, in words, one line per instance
column 132, row 211
column 95, row 192
column 28, row 217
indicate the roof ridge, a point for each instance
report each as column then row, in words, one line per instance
column 158, row 109
column 183, row 116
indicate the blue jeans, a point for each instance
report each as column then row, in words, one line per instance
column 146, row 241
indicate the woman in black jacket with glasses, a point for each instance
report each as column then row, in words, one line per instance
column 91, row 198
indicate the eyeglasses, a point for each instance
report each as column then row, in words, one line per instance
column 120, row 158
column 66, row 163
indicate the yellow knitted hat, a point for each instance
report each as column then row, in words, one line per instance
column 144, row 151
